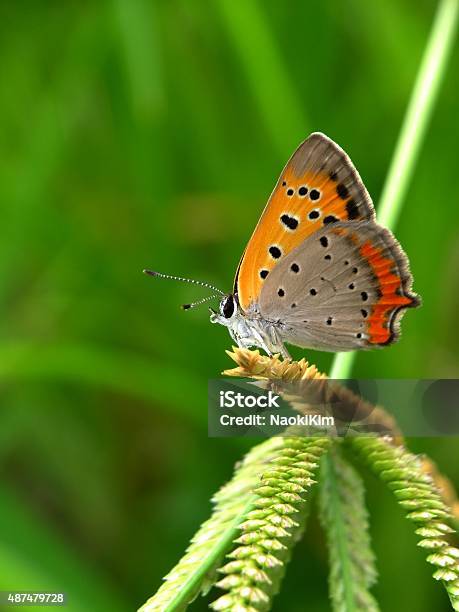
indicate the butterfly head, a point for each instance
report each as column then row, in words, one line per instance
column 228, row 306
column 247, row 331
column 228, row 311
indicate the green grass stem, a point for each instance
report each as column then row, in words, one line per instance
column 420, row 108
column 263, row 66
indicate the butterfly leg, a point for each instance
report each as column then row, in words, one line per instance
column 255, row 339
column 284, row 352
column 262, row 341
column 252, row 332
column 248, row 336
column 279, row 348
column 274, row 341
column 268, row 339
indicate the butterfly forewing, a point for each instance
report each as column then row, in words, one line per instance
column 318, row 186
column 345, row 287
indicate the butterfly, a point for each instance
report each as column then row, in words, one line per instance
column 318, row 271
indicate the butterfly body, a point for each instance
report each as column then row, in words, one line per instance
column 249, row 329
column 318, row 271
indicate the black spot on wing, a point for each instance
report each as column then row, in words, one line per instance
column 352, row 209
column 342, row 191
column 290, row 222
column 275, row 251
column 314, row 194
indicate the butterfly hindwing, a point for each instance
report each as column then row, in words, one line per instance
column 318, row 186
column 343, row 288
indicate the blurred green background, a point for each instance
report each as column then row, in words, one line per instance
column 149, row 134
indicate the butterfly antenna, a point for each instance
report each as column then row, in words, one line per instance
column 185, row 280
column 194, row 304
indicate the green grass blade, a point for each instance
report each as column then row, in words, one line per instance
column 412, row 134
column 344, row 518
column 267, row 76
column 419, row 112
column 137, row 27
column 119, row 371
column 258, row 562
column 195, row 572
column 241, row 505
column 416, row 492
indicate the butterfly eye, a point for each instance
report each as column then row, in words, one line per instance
column 227, row 306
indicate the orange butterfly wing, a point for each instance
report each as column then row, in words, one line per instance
column 319, row 185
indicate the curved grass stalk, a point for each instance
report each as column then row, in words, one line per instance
column 423, row 98
column 416, row 492
column 270, row 487
column 236, row 502
column 257, row 565
column 344, row 518
column 195, row 572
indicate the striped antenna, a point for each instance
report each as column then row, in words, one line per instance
column 194, row 304
column 185, row 280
